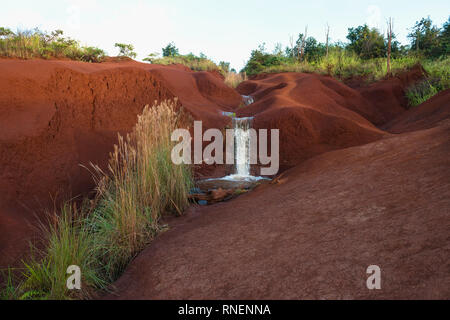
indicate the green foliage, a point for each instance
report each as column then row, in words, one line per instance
column 170, row 50
column 5, row 32
column 438, row 79
column 364, row 55
column 37, row 44
column 151, row 57
column 367, row 43
column 421, row 92
column 67, row 242
column 126, row 50
column 195, row 63
column 225, row 66
column 425, row 38
column 444, row 38
column 260, row 60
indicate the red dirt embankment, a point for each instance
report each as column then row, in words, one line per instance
column 383, row 199
column 56, row 115
column 427, row 115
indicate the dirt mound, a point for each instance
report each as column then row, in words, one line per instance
column 314, row 113
column 313, row 233
column 56, row 115
column 424, row 116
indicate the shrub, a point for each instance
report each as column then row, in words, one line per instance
column 438, row 79
column 170, row 50
column 67, row 241
column 421, row 92
column 126, row 50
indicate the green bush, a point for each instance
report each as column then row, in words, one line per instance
column 438, row 79
column 421, row 92
column 37, row 44
column 126, row 50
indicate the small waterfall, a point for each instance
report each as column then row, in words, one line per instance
column 248, row 100
column 241, row 128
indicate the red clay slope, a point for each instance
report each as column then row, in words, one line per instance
column 55, row 115
column 424, row 116
column 313, row 233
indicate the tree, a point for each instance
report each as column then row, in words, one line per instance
column 313, row 50
column 170, row 50
column 302, row 49
column 126, row 50
column 389, row 36
column 225, row 66
column 367, row 43
column 327, row 36
column 425, row 38
column 290, row 51
column 5, row 32
column 444, row 38
column 278, row 49
column 260, row 59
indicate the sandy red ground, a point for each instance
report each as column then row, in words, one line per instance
column 364, row 181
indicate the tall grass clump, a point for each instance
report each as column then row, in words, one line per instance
column 67, row 240
column 141, row 184
column 102, row 235
column 233, row 79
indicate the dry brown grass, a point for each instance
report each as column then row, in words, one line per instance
column 233, row 79
column 142, row 184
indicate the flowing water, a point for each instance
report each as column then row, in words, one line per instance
column 241, row 178
column 241, row 128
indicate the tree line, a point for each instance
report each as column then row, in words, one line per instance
column 425, row 40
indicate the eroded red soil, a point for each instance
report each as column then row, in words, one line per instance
column 363, row 181
column 56, row 115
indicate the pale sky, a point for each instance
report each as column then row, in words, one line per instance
column 224, row 30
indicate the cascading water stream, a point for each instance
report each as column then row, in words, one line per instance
column 241, row 128
column 241, row 178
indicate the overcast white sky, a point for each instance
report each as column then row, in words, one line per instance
column 223, row 30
